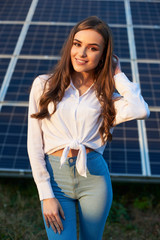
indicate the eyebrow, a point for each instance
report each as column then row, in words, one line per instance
column 88, row 44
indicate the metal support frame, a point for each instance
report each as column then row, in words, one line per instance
column 134, row 66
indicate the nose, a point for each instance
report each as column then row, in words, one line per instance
column 82, row 52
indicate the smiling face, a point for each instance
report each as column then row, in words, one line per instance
column 86, row 51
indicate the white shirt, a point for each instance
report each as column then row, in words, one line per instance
column 74, row 125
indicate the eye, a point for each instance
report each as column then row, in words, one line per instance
column 76, row 44
column 93, row 49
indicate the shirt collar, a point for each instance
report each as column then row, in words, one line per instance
column 72, row 85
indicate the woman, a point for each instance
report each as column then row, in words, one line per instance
column 72, row 113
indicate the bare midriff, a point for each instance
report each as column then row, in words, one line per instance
column 72, row 152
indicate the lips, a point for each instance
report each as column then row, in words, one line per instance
column 80, row 61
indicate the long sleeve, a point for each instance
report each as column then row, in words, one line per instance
column 35, row 145
column 130, row 104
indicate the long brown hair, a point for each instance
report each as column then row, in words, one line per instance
column 104, row 83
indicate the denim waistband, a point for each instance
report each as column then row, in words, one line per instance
column 89, row 155
column 72, row 160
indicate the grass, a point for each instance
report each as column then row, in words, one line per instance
column 134, row 215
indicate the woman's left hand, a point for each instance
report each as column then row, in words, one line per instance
column 116, row 65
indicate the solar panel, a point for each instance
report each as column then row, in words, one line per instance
column 14, row 10
column 121, row 46
column 147, row 43
column 9, row 35
column 13, row 126
column 48, row 40
column 150, row 84
column 145, row 13
column 123, row 154
column 26, row 70
column 153, row 134
column 134, row 151
column 74, row 11
column 3, row 67
column 45, row 40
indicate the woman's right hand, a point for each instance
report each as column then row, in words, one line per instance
column 52, row 211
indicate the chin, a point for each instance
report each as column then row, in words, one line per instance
column 78, row 69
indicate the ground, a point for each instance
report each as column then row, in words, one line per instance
column 135, row 212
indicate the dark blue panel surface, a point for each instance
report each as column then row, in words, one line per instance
column 45, row 40
column 14, row 10
column 153, row 137
column 150, row 82
column 13, row 132
column 25, row 72
column 9, row 35
column 147, row 43
column 126, row 68
column 48, row 40
column 3, row 68
column 121, row 47
column 145, row 13
column 76, row 10
column 123, row 154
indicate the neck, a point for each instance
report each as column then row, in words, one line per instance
column 82, row 78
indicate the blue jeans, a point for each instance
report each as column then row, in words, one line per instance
column 93, row 195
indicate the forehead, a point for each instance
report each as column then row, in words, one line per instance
column 89, row 36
